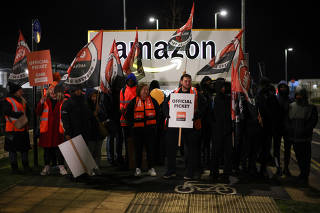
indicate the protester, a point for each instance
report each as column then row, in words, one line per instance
column 207, row 89
column 95, row 145
column 284, row 101
column 77, row 118
column 189, row 136
column 127, row 93
column 269, row 110
column 16, row 139
column 301, row 120
column 49, row 111
column 159, row 147
column 142, row 115
column 222, row 125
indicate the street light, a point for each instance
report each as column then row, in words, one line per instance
column 285, row 62
column 152, row 19
column 222, row 13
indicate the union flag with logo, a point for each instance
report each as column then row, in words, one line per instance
column 222, row 61
column 112, row 71
column 19, row 74
column 85, row 68
column 182, row 36
column 133, row 63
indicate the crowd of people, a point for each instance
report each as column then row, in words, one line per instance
column 134, row 120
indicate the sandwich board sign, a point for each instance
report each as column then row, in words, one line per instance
column 78, row 156
column 181, row 110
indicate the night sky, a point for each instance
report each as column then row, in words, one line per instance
column 271, row 26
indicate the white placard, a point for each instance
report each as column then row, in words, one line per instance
column 181, row 110
column 78, row 156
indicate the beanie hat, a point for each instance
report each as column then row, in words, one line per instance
column 132, row 77
column 13, row 88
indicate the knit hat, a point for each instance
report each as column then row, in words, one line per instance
column 132, row 77
column 13, row 88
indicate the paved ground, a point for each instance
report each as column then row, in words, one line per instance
column 117, row 190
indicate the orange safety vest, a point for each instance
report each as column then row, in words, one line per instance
column 44, row 118
column 16, row 107
column 144, row 113
column 126, row 95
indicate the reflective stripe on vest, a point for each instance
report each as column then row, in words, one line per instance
column 16, row 107
column 144, row 113
column 44, row 118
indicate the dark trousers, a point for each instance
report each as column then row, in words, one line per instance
column 287, row 153
column 123, row 140
column 205, row 153
column 303, row 154
column 250, row 148
column 222, row 147
column 52, row 155
column 111, row 139
column 144, row 137
column 13, row 157
column 190, row 139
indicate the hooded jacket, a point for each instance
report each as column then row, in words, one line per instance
column 302, row 118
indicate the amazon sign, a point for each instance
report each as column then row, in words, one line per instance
column 160, row 64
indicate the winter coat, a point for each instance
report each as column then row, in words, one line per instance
column 301, row 120
column 51, row 138
column 77, row 118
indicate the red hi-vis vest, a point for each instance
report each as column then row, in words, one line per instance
column 44, row 118
column 16, row 107
column 144, row 113
column 126, row 95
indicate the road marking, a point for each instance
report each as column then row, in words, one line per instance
column 314, row 164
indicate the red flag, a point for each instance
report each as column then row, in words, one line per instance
column 85, row 68
column 19, row 73
column 183, row 35
column 133, row 63
column 113, row 69
column 223, row 60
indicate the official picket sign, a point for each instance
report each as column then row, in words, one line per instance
column 39, row 66
column 181, row 110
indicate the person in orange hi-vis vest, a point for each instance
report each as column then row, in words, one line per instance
column 127, row 93
column 142, row 115
column 189, row 136
column 16, row 140
column 50, row 137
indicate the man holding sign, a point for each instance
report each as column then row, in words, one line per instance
column 183, row 113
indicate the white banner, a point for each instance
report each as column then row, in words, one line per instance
column 181, row 110
column 78, row 156
column 163, row 65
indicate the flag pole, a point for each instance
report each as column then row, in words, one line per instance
column 34, row 92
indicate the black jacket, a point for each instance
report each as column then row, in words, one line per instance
column 77, row 118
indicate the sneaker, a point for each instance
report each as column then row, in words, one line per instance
column 63, row 171
column 138, row 172
column 152, row 172
column 169, row 175
column 45, row 170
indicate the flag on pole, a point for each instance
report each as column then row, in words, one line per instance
column 112, row 71
column 19, row 74
column 183, row 35
column 222, row 61
column 85, row 68
column 133, row 63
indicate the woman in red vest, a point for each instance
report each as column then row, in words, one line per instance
column 142, row 115
column 49, row 111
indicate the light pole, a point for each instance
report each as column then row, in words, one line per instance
column 286, row 61
column 152, row 19
column 222, row 13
